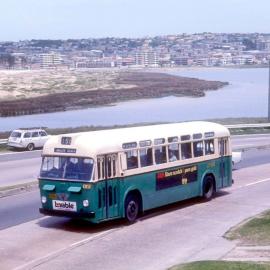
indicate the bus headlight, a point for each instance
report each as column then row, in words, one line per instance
column 85, row 203
column 43, row 199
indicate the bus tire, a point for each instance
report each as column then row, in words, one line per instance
column 132, row 208
column 30, row 147
column 208, row 187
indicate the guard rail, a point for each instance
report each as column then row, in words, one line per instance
column 4, row 141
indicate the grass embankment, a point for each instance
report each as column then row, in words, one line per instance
column 254, row 232
column 222, row 265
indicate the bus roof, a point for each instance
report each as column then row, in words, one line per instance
column 109, row 141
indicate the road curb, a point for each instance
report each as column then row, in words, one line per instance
column 19, row 188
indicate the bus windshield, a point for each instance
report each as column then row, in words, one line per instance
column 73, row 168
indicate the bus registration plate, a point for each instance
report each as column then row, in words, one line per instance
column 64, row 205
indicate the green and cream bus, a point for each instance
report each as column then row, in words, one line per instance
column 120, row 173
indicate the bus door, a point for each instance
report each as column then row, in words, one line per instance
column 223, row 165
column 108, row 193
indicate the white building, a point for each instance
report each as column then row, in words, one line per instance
column 146, row 58
column 50, row 60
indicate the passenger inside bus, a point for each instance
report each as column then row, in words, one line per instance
column 172, row 156
column 72, row 168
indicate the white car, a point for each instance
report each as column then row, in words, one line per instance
column 236, row 157
column 28, row 138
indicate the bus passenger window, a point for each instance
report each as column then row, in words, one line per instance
column 209, row 147
column 186, row 150
column 223, row 146
column 101, row 168
column 146, row 157
column 109, row 167
column 132, row 159
column 114, row 167
column 198, row 149
column 160, row 154
column 173, row 150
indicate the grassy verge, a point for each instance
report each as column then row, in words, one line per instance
column 222, row 265
column 255, row 231
column 3, row 148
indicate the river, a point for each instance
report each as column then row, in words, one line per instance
column 245, row 96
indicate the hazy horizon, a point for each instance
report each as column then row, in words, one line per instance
column 142, row 37
column 82, row 19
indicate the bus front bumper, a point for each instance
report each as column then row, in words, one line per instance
column 66, row 213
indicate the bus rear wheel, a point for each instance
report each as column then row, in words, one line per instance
column 131, row 208
column 208, row 188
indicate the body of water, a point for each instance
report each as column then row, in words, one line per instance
column 245, row 96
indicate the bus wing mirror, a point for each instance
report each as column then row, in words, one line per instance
column 123, row 162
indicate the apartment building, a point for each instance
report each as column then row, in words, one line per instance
column 146, row 58
column 50, row 60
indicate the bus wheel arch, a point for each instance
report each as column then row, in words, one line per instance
column 208, row 186
column 133, row 205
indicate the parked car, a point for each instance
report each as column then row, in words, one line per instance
column 28, row 138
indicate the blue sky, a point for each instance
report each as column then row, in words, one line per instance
column 62, row 19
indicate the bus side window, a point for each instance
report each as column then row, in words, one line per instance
column 160, row 154
column 146, row 157
column 101, row 168
column 113, row 166
column 173, row 151
column 223, row 146
column 109, row 167
column 132, row 159
column 186, row 150
column 209, row 147
column 198, row 149
column 226, row 146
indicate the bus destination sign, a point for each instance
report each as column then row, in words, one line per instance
column 176, row 177
column 65, row 150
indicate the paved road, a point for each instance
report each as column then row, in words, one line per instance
column 19, row 209
column 182, row 232
column 19, row 171
column 249, row 141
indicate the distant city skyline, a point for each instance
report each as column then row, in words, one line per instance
column 64, row 19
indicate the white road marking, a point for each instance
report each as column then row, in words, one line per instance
column 252, row 183
column 41, row 260
column 258, row 182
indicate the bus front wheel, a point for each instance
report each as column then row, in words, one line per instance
column 208, row 188
column 131, row 208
